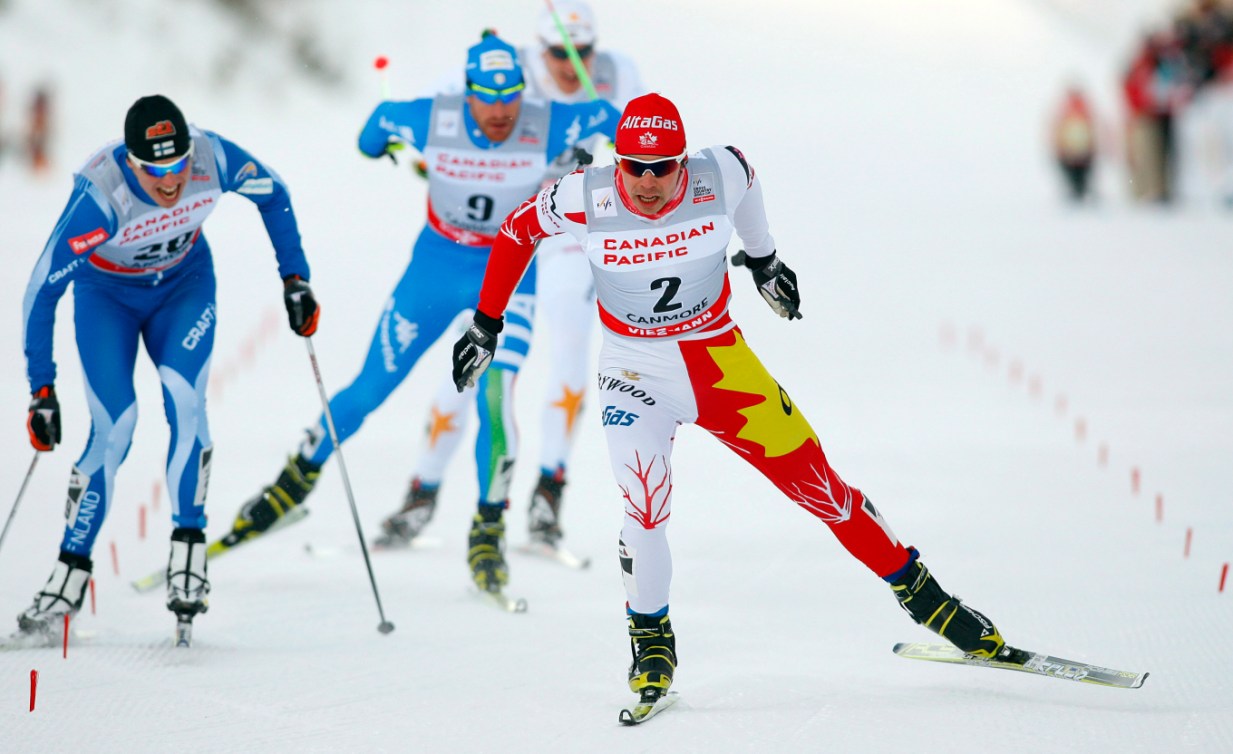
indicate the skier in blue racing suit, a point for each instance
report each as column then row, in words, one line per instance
column 131, row 240
column 486, row 152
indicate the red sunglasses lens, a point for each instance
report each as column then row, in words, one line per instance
column 659, row 168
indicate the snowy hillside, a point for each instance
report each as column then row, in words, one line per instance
column 990, row 366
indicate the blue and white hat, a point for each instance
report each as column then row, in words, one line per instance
column 493, row 64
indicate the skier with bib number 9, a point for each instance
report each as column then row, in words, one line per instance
column 655, row 228
column 486, row 151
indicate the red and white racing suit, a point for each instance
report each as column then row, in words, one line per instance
column 671, row 354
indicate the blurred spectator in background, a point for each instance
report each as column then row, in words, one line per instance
column 1074, row 143
column 39, row 132
column 2, row 143
column 1155, row 87
column 1205, row 125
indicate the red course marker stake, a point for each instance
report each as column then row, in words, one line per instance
column 1159, row 507
column 1189, row 536
column 154, row 496
column 92, row 612
column 34, row 687
column 1134, row 480
column 1080, row 430
column 115, row 559
column 1224, row 574
column 1102, row 456
column 66, row 634
column 141, row 522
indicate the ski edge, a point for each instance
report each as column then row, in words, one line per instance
column 555, row 554
column 502, row 601
column 1035, row 663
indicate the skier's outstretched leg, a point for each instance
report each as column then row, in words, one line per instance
column 746, row 409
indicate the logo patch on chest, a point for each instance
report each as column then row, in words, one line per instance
column 603, row 203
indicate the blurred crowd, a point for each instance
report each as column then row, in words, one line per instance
column 26, row 139
column 1177, row 91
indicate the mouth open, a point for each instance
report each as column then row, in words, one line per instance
column 170, row 194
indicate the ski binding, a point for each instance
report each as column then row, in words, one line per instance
column 646, row 708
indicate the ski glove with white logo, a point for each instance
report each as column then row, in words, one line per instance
column 473, row 351
column 302, row 309
column 44, row 419
column 775, row 281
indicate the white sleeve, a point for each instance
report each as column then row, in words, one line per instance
column 745, row 206
column 561, row 208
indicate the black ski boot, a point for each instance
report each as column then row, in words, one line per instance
column 297, row 479
column 486, row 549
column 63, row 594
column 417, row 509
column 188, row 586
column 923, row 598
column 653, row 646
column 544, row 515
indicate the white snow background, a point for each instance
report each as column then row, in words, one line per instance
column 901, row 149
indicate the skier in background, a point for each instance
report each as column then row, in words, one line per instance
column 656, row 229
column 1074, row 143
column 38, row 135
column 485, row 153
column 565, row 296
column 131, row 240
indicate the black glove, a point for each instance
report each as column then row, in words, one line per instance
column 775, row 281
column 473, row 351
column 44, row 419
column 583, row 157
column 302, row 309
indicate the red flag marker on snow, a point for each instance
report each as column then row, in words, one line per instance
column 34, row 687
column 66, row 634
column 92, row 611
column 1189, row 536
column 1224, row 575
column 382, row 63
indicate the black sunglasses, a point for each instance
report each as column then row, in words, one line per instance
column 560, row 53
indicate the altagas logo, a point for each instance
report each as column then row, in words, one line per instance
column 650, row 121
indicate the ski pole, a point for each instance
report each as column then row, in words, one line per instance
column 572, row 52
column 385, row 626
column 20, row 493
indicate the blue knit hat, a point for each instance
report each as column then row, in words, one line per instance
column 493, row 64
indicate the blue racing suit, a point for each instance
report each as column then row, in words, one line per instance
column 144, row 271
column 473, row 184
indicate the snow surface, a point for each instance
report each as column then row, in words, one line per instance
column 901, row 150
